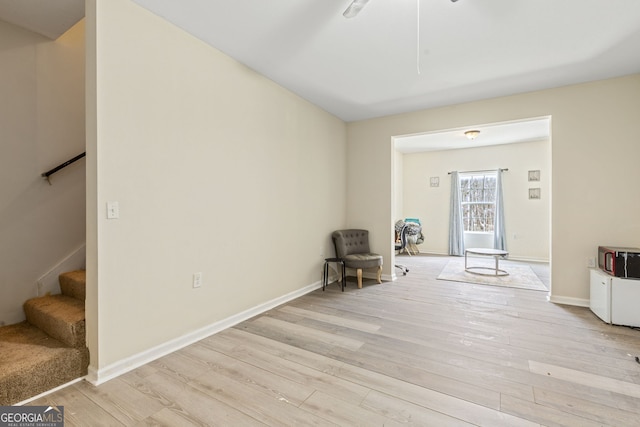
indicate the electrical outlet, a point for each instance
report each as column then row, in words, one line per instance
column 591, row 262
column 197, row 280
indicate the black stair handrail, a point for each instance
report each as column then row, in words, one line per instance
column 47, row 174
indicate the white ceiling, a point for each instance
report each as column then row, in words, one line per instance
column 490, row 134
column 380, row 62
column 367, row 66
column 50, row 18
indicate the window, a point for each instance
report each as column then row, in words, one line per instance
column 478, row 199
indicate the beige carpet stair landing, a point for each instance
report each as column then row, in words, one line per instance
column 49, row 348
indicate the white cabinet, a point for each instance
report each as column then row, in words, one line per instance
column 615, row 300
column 600, row 295
column 625, row 302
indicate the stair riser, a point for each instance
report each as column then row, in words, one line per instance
column 73, row 284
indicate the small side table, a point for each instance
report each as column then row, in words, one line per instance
column 325, row 272
column 495, row 253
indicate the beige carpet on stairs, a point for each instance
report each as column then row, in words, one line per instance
column 73, row 284
column 31, row 362
column 60, row 316
column 48, row 349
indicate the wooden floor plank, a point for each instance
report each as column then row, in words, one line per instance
column 586, row 378
column 187, row 402
column 545, row 415
column 344, row 413
column 442, row 382
column 273, row 408
column 466, row 364
column 308, row 333
column 79, row 411
column 281, row 350
column 303, row 375
column 597, row 411
column 121, row 401
column 440, row 402
column 418, row 351
column 264, row 380
column 406, row 413
column 167, row 417
column 337, row 320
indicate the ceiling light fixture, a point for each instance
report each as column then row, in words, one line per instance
column 354, row 8
column 472, row 134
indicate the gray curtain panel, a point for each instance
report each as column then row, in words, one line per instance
column 499, row 234
column 456, row 229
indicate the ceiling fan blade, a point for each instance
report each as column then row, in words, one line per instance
column 354, row 8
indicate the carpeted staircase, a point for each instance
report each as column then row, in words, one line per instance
column 49, row 348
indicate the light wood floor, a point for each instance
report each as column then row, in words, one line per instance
column 418, row 351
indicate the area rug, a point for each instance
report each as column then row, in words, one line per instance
column 520, row 276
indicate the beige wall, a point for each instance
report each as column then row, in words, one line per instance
column 593, row 169
column 526, row 221
column 398, row 186
column 216, row 169
column 41, row 126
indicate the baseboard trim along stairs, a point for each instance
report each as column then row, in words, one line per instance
column 49, row 348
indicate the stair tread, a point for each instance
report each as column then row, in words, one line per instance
column 32, row 362
column 16, row 339
column 63, row 307
column 60, row 316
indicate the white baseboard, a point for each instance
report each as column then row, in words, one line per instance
column 101, row 375
column 578, row 302
column 49, row 284
column 53, row 390
column 526, row 259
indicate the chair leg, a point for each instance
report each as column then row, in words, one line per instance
column 359, row 275
column 402, row 268
column 325, row 276
column 380, row 274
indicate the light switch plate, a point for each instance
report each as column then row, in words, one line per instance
column 113, row 210
column 197, row 280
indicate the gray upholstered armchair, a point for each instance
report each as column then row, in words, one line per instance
column 353, row 247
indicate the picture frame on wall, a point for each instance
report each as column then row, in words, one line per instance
column 534, row 193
